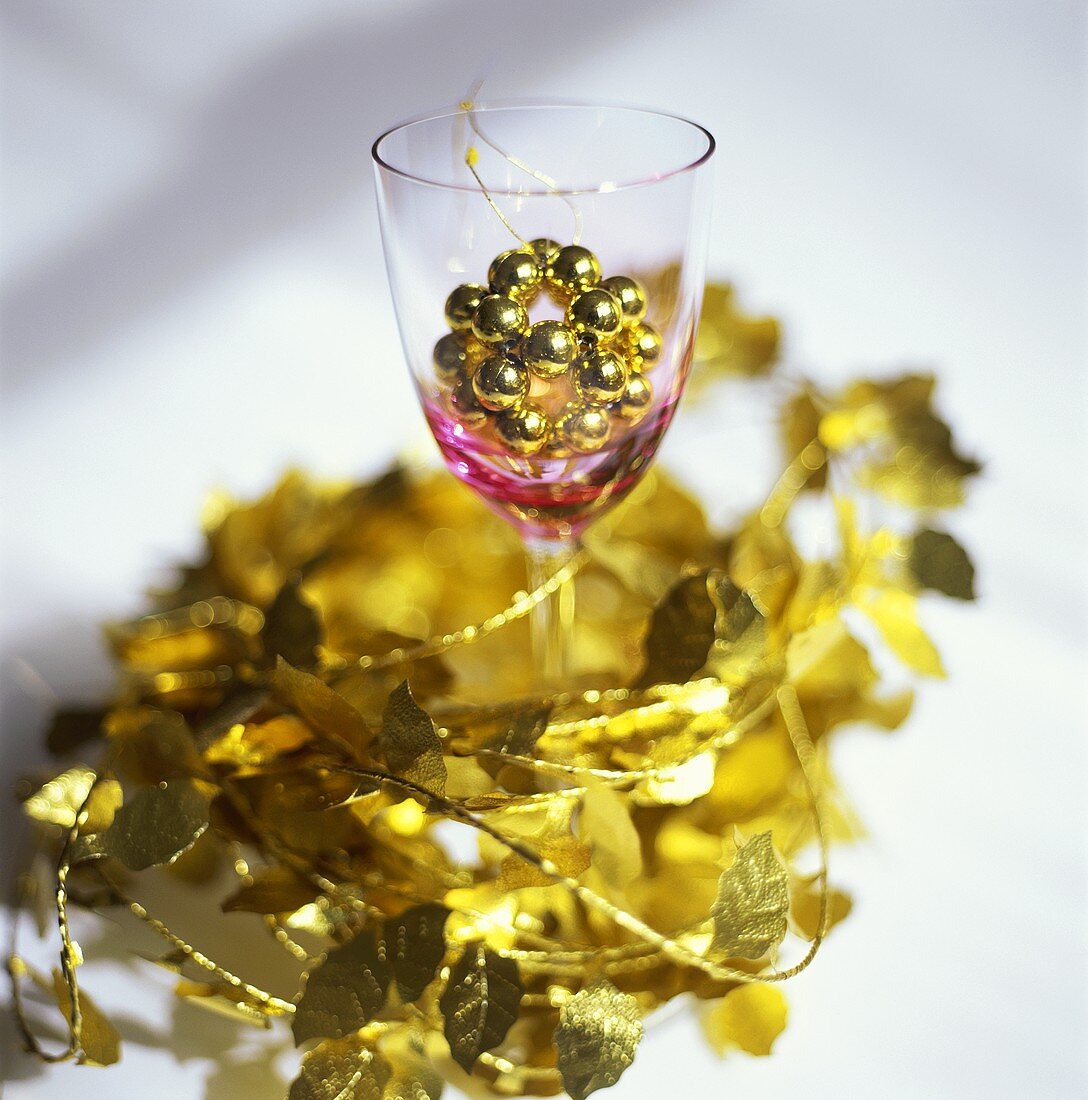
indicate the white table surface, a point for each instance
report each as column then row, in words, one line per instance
column 189, row 225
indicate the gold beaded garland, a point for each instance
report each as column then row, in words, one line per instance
column 524, row 430
column 462, row 304
column 594, row 313
column 599, row 377
column 502, row 373
column 549, row 349
column 501, row 383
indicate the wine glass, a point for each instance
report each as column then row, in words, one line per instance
column 546, row 262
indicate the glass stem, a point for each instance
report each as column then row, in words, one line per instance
column 551, row 622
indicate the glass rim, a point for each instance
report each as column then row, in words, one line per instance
column 606, row 187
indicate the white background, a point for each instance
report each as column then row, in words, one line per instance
column 194, row 295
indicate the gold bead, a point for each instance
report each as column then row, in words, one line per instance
column 544, row 248
column 572, row 270
column 462, row 304
column 525, row 430
column 582, row 429
column 599, row 377
column 515, row 273
column 594, row 313
column 635, row 402
column 500, row 383
column 630, row 295
column 498, row 319
column 463, row 404
column 549, row 348
column 643, row 346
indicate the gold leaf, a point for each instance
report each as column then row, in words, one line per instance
column 341, row 1069
column 72, row 728
column 413, row 1077
column 895, row 613
column 598, row 1033
column 480, row 1003
column 679, row 784
column 520, row 727
column 257, row 743
column 344, row 991
column 826, row 659
column 321, row 707
column 58, row 801
column 938, row 561
column 292, row 628
column 227, row 1000
column 100, row 1043
column 415, row 945
column 749, row 913
column 156, row 825
column 275, row 889
column 681, row 633
column 751, row 1017
column 730, row 343
column 605, row 825
column 411, row 745
column 805, row 907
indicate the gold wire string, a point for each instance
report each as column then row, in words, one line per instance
column 472, row 156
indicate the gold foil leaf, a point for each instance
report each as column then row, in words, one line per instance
column 321, row 707
column 100, row 1044
column 292, row 628
column 805, row 907
column 749, row 913
column 826, row 659
column 730, row 343
column 344, row 991
column 226, row 1000
column 937, row 561
column 895, row 613
column 341, row 1069
column 678, row 784
column 750, row 1017
column 156, row 825
column 413, row 1077
column 599, row 1031
column 605, row 825
column 520, row 727
column 415, row 945
column 58, row 801
column 275, row 889
column 256, row 743
column 681, row 632
column 411, row 745
column 72, row 728
column 480, row 1003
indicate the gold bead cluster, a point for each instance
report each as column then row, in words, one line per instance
column 552, row 386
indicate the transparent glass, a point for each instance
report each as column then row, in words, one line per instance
column 629, row 185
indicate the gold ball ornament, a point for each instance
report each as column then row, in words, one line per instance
column 462, row 304
column 643, row 346
column 549, row 349
column 524, row 430
column 516, row 273
column 595, row 313
column 635, row 403
column 630, row 295
column 582, row 428
column 571, row 270
column 501, row 383
column 599, row 377
column 498, row 319
column 463, row 404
